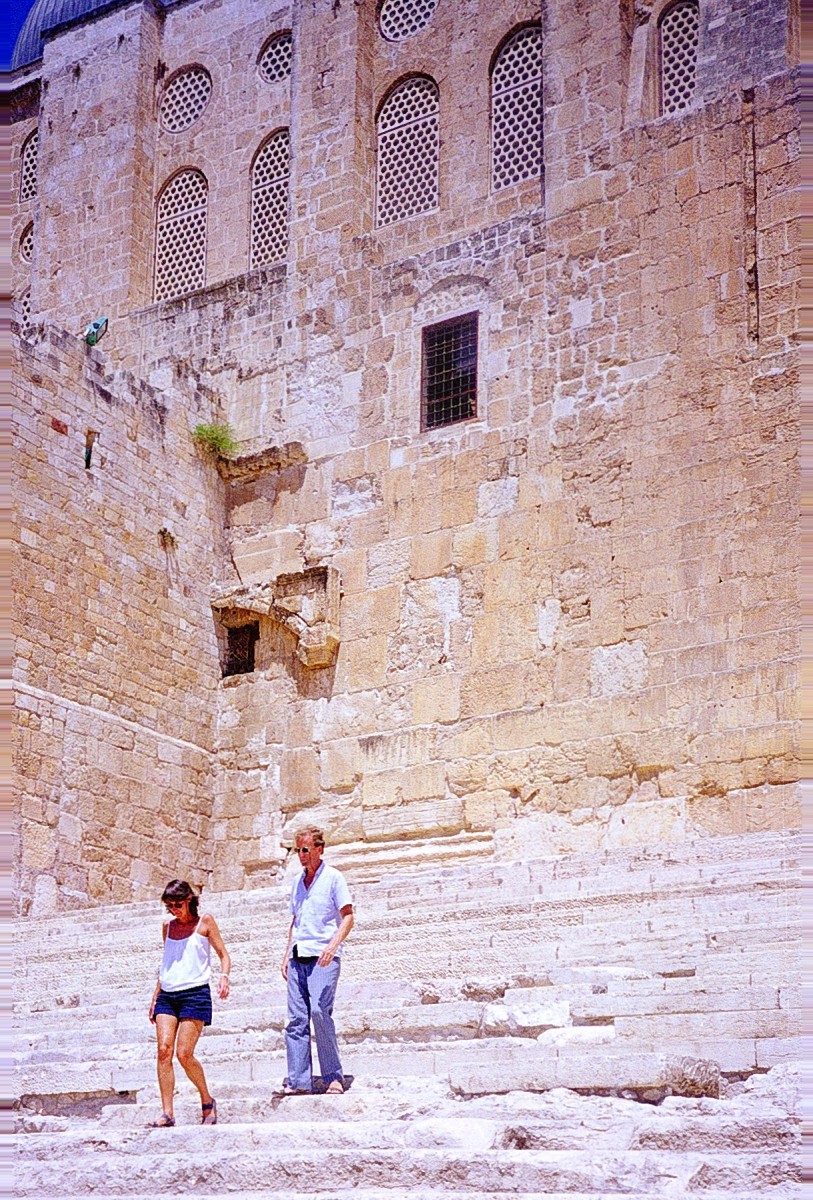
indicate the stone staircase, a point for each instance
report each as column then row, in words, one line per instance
column 622, row 1024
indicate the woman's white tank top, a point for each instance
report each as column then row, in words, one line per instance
column 185, row 963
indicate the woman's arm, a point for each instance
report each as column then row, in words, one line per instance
column 211, row 931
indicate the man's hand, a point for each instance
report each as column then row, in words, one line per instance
column 284, row 969
column 326, row 957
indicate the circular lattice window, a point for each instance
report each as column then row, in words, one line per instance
column 275, row 61
column 185, row 98
column 680, row 30
column 27, row 244
column 400, row 19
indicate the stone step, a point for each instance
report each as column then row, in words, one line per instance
column 230, row 1158
column 477, row 1066
column 719, row 864
column 550, row 1025
column 417, row 959
column 779, row 1192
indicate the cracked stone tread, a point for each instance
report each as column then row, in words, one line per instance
column 224, row 1167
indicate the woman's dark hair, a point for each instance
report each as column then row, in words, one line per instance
column 179, row 889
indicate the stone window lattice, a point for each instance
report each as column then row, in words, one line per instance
column 449, row 372
column 408, row 151
column 185, row 98
column 679, row 35
column 275, row 60
column 269, row 201
column 27, row 244
column 180, row 240
column 516, row 109
column 23, row 309
column 401, row 19
column 28, row 167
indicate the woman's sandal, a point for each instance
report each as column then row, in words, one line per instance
column 335, row 1088
column 165, row 1121
column 209, row 1111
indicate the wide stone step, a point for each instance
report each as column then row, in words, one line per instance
column 473, row 1066
column 780, row 1192
column 243, row 1158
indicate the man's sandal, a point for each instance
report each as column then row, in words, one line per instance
column 209, row 1113
column 165, row 1121
column 335, row 1088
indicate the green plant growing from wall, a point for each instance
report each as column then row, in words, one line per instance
column 217, row 439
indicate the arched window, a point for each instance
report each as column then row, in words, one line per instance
column 269, row 201
column 180, row 235
column 678, row 37
column 516, row 109
column 275, row 58
column 408, row 150
column 22, row 309
column 27, row 243
column 28, row 167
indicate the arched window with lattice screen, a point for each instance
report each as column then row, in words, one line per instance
column 269, row 201
column 26, row 244
column 28, row 167
column 678, row 39
column 180, row 235
column 408, row 130
column 274, row 63
column 516, row 109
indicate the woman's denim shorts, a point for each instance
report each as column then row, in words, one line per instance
column 192, row 1004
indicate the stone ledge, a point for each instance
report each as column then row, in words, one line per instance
column 248, row 467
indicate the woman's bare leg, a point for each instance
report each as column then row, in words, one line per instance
column 188, row 1035
column 166, row 1029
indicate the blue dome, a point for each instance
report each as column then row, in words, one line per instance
column 44, row 15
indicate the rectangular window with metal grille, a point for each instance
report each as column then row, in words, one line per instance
column 240, row 649
column 449, row 372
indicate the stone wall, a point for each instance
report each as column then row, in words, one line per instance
column 573, row 618
column 116, row 654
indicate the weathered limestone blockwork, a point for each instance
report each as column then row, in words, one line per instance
column 573, row 617
column 116, row 650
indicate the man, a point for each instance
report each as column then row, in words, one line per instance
column 322, row 917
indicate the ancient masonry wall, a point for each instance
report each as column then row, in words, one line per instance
column 116, row 651
column 572, row 619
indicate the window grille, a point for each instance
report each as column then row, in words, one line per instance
column 22, row 306
column 679, row 32
column 400, row 19
column 269, row 201
column 185, row 98
column 240, row 646
column 408, row 146
column 275, row 60
column 516, row 109
column 28, row 167
column 27, row 243
column 180, row 238
column 449, row 372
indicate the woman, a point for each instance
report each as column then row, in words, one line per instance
column 182, row 1001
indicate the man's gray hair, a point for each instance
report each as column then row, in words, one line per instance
column 316, row 835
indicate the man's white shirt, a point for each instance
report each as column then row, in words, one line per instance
column 317, row 910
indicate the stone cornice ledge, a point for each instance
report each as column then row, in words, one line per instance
column 248, row 467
